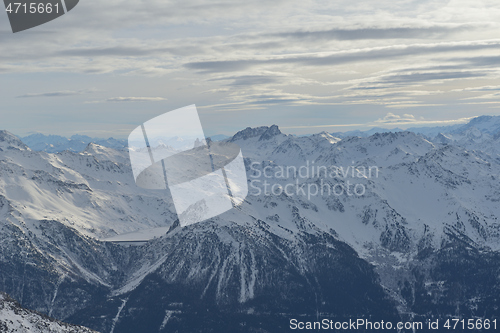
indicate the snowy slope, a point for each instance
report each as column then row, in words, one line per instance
column 92, row 191
column 13, row 318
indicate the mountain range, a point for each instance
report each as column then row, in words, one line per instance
column 77, row 143
column 393, row 226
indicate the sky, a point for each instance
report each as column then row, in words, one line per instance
column 308, row 66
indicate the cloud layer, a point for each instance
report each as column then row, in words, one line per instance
column 248, row 63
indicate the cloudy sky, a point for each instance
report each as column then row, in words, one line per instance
column 307, row 66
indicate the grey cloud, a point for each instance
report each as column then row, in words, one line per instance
column 129, row 51
column 465, row 62
column 374, row 33
column 369, row 87
column 483, row 61
column 386, row 86
column 485, row 88
column 249, row 80
column 271, row 97
column 269, row 100
column 332, row 34
column 181, row 49
column 386, row 95
column 425, row 77
column 136, row 99
column 108, row 51
column 340, row 57
column 62, row 93
column 281, row 40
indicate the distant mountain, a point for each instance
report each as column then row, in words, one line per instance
column 434, row 130
column 487, row 124
column 13, row 318
column 366, row 133
column 481, row 133
column 77, row 143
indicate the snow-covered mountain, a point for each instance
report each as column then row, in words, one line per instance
column 373, row 226
column 77, row 143
column 57, row 143
column 485, row 124
column 13, row 318
column 481, row 133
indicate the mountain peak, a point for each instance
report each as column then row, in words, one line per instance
column 103, row 153
column 10, row 141
column 270, row 133
column 93, row 148
column 250, row 132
